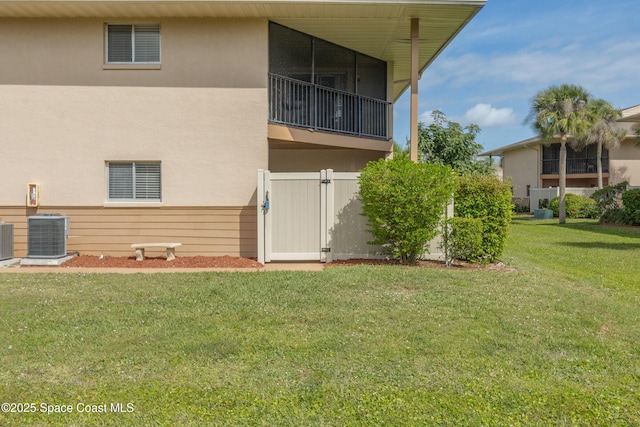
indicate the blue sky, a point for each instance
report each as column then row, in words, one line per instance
column 513, row 49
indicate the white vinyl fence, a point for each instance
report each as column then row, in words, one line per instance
column 315, row 216
column 537, row 194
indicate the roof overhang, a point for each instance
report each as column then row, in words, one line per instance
column 378, row 28
column 530, row 142
column 631, row 114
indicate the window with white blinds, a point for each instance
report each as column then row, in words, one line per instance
column 133, row 43
column 134, row 181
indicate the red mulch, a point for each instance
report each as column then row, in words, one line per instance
column 91, row 261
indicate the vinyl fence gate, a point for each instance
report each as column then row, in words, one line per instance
column 311, row 216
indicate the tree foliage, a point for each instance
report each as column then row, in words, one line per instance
column 399, row 150
column 602, row 131
column 561, row 111
column 404, row 203
column 448, row 143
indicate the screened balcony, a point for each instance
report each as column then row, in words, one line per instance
column 319, row 85
column 578, row 162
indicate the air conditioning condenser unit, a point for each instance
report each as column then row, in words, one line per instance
column 6, row 241
column 47, row 236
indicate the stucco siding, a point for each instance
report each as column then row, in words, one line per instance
column 624, row 163
column 301, row 160
column 521, row 166
column 201, row 113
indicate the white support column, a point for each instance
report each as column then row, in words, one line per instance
column 415, row 35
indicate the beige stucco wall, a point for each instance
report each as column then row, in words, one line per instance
column 203, row 113
column 522, row 167
column 302, row 160
column 624, row 163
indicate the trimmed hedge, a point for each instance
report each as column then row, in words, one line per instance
column 577, row 206
column 488, row 199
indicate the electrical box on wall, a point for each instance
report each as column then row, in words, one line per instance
column 33, row 195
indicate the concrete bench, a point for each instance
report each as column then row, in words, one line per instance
column 170, row 247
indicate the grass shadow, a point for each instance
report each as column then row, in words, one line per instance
column 603, row 245
column 588, row 225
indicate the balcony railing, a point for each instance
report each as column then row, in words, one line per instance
column 297, row 103
column 574, row 166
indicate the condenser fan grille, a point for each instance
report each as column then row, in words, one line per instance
column 47, row 236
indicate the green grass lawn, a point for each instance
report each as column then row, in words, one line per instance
column 556, row 342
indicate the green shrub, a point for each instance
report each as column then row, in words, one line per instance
column 590, row 208
column 631, row 204
column 543, row 204
column 489, row 199
column 609, row 197
column 614, row 216
column 404, row 203
column 463, row 239
column 633, row 218
column 577, row 206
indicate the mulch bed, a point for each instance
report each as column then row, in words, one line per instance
column 91, row 261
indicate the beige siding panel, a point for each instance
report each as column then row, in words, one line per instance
column 111, row 231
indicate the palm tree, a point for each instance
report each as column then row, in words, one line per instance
column 603, row 131
column 561, row 111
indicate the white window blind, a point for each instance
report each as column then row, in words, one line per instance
column 134, row 181
column 129, row 43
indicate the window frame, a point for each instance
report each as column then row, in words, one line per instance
column 136, row 199
column 133, row 62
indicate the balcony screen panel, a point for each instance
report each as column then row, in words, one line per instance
column 588, row 152
column 290, row 53
column 551, row 152
column 371, row 77
column 334, row 66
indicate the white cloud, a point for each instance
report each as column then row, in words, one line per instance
column 426, row 117
column 484, row 115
